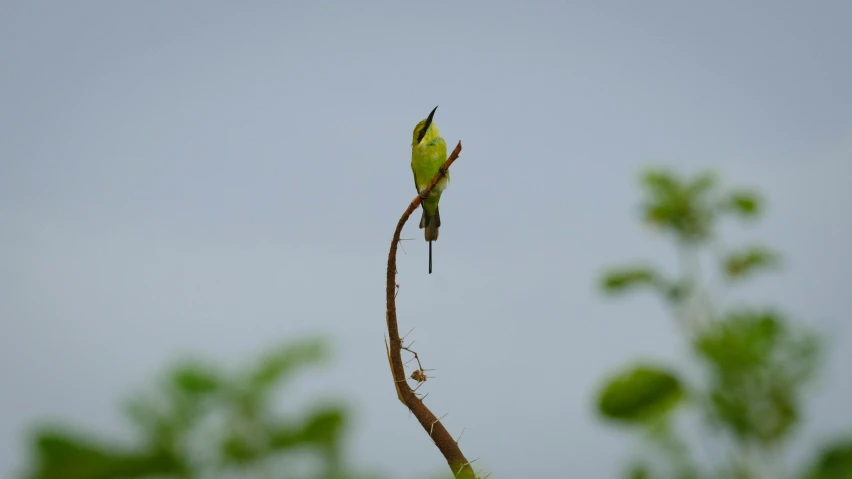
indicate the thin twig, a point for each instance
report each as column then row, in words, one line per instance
column 416, row 357
column 442, row 438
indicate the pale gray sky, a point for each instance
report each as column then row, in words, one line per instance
column 211, row 176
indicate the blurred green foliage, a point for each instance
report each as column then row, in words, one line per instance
column 835, row 461
column 640, row 394
column 759, row 366
column 757, row 362
column 203, row 422
column 739, row 264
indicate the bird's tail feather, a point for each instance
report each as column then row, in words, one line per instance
column 430, row 223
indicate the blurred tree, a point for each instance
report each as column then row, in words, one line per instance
column 202, row 422
column 757, row 362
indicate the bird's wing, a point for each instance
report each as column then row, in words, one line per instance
column 415, row 180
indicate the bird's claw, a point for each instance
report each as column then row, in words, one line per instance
column 423, row 196
column 442, row 170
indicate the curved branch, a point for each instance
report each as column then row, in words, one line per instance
column 459, row 465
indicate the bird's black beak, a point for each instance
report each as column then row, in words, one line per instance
column 426, row 126
column 429, row 118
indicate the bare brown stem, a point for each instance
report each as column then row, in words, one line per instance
column 448, row 446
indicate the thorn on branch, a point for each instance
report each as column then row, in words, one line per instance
column 432, row 426
column 403, row 247
column 467, row 464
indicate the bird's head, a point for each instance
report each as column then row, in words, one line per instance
column 425, row 130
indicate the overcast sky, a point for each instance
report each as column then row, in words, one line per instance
column 211, row 177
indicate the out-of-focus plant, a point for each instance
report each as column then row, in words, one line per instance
column 757, row 362
column 204, row 422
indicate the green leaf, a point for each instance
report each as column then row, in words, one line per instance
column 277, row 365
column 66, row 455
column 661, row 182
column 196, row 378
column 679, row 206
column 324, row 427
column 741, row 263
column 640, row 394
column 621, row 280
column 639, row 471
column 744, row 203
column 835, row 462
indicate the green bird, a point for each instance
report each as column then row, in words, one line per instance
column 428, row 153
